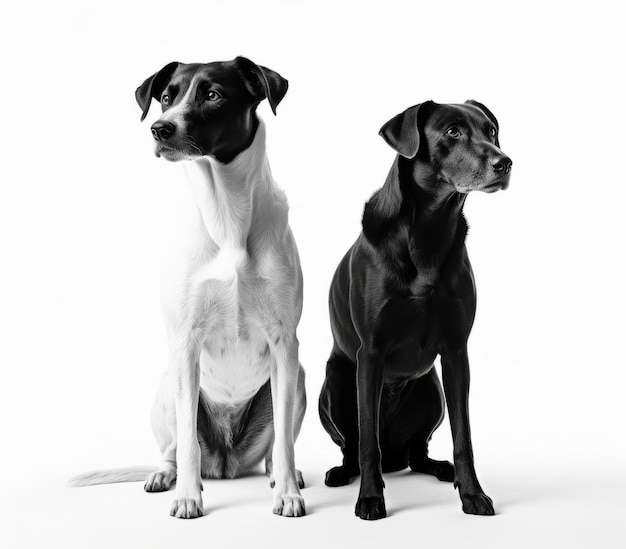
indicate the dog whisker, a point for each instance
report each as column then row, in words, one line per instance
column 192, row 144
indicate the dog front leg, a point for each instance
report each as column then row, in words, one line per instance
column 184, row 364
column 371, row 503
column 284, row 381
column 455, row 368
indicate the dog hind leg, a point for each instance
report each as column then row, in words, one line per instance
column 164, row 429
column 429, row 395
column 338, row 412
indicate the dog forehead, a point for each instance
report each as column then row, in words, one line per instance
column 453, row 113
column 218, row 72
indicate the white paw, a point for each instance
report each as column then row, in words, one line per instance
column 159, row 481
column 187, row 508
column 300, row 479
column 289, row 506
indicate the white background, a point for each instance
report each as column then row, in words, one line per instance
column 83, row 200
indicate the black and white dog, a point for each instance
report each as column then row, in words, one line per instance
column 233, row 392
column 403, row 294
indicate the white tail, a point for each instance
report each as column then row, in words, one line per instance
column 109, row 476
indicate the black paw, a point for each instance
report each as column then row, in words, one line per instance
column 443, row 470
column 370, row 508
column 477, row 504
column 338, row 476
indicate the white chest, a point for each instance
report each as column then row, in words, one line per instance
column 216, row 286
column 233, row 370
column 235, row 358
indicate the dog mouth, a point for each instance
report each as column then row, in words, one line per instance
column 167, row 153
column 160, row 150
column 173, row 153
column 491, row 187
column 500, row 185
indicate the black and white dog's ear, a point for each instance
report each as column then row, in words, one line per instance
column 153, row 86
column 485, row 110
column 402, row 132
column 263, row 82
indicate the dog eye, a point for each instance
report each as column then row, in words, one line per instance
column 212, row 95
column 453, row 131
column 165, row 100
column 492, row 132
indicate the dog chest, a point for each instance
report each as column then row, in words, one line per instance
column 235, row 358
column 234, row 369
column 407, row 336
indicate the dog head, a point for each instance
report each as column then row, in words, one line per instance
column 453, row 145
column 208, row 109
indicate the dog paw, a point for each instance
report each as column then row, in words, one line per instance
column 338, row 476
column 370, row 508
column 443, row 470
column 289, row 506
column 159, row 481
column 300, row 479
column 187, row 508
column 477, row 504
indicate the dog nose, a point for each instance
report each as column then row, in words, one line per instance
column 162, row 130
column 502, row 164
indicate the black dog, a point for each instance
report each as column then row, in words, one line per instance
column 404, row 293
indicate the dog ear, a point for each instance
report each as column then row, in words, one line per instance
column 262, row 82
column 485, row 110
column 153, row 87
column 489, row 115
column 402, row 132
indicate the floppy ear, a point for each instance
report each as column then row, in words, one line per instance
column 485, row 110
column 153, row 87
column 262, row 82
column 401, row 133
column 489, row 115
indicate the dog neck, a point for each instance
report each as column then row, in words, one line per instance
column 414, row 212
column 226, row 193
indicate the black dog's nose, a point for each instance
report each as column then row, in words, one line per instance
column 502, row 164
column 162, row 130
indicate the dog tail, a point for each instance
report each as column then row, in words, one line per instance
column 110, row 476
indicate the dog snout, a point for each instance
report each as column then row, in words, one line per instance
column 162, row 130
column 502, row 164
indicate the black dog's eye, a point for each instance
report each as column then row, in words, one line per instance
column 212, row 95
column 492, row 132
column 165, row 100
column 453, row 131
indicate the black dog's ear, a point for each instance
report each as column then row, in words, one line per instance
column 262, row 82
column 153, row 87
column 401, row 133
column 485, row 110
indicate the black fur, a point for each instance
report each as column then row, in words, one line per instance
column 403, row 294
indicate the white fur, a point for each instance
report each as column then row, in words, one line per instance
column 232, row 297
column 112, row 476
